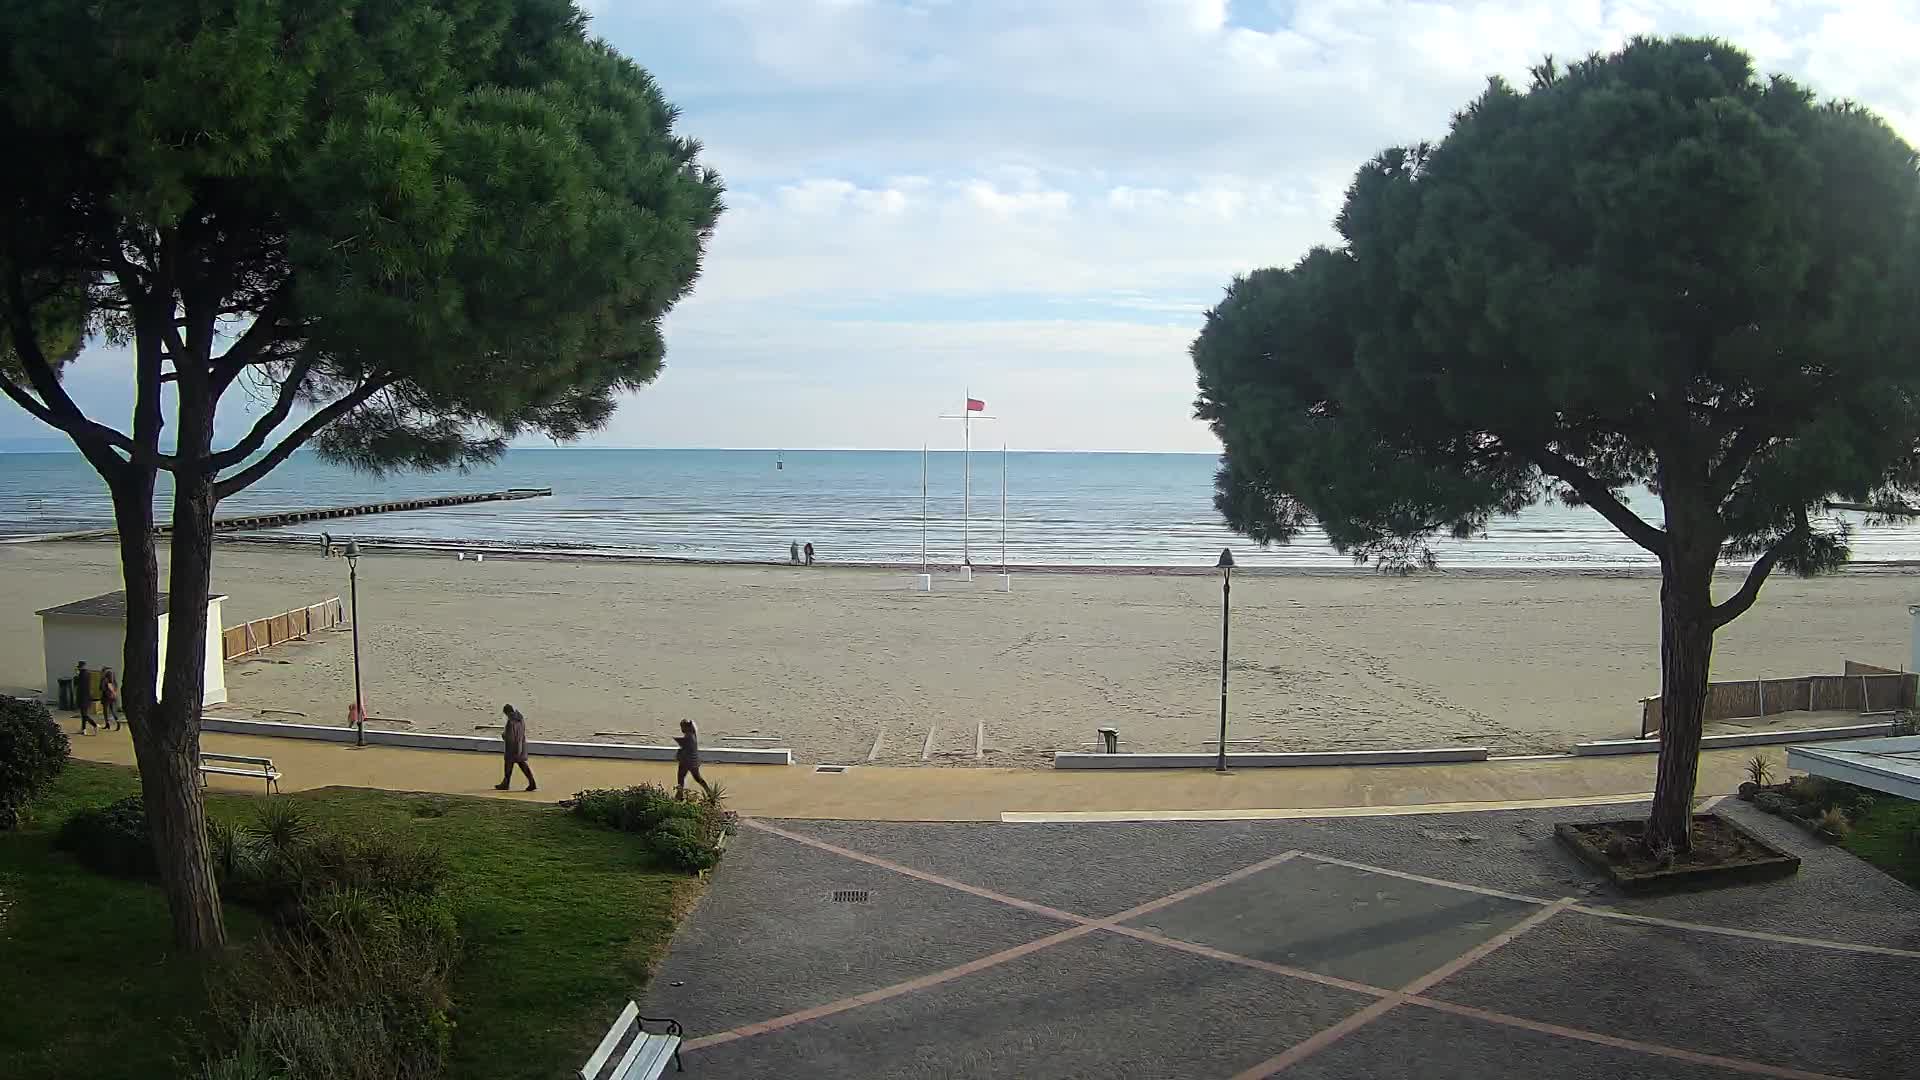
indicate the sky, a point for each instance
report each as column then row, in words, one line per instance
column 1037, row 202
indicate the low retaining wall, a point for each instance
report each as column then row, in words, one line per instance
column 1865, row 688
column 420, row 740
column 1256, row 760
column 1756, row 738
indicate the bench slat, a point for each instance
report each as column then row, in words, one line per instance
column 255, row 773
column 591, row 1070
column 650, row 1055
column 206, row 755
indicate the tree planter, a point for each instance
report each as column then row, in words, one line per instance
column 1724, row 854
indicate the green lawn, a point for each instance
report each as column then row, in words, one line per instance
column 1888, row 836
column 561, row 922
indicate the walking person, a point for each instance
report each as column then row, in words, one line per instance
column 83, row 695
column 809, row 551
column 688, row 757
column 514, row 740
column 110, row 700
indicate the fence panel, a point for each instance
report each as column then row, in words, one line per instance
column 259, row 634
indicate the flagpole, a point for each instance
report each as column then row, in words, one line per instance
column 966, row 501
column 1003, row 509
column 923, row 508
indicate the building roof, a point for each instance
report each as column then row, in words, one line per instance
column 112, row 605
column 1891, row 765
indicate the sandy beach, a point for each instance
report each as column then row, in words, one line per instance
column 826, row 660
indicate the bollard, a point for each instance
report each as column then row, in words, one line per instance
column 1111, row 737
column 966, row 573
column 1006, row 582
column 923, row 583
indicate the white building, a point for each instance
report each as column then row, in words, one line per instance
column 95, row 630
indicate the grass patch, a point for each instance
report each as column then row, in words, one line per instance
column 561, row 922
column 1888, row 836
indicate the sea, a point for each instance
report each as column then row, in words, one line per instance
column 853, row 506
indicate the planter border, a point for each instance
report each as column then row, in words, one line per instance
column 1065, row 759
column 1780, row 864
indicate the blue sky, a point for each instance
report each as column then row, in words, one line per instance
column 1037, row 201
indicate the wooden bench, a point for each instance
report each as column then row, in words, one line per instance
column 642, row 1054
column 256, row 768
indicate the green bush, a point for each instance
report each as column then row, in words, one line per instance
column 682, row 834
column 357, row 990
column 33, row 750
column 111, row 839
column 684, row 844
column 280, row 863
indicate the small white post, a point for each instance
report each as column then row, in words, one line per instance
column 923, row 583
column 1913, row 610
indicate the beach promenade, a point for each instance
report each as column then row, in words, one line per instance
column 880, row 793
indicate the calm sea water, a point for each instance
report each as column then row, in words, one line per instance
column 854, row 506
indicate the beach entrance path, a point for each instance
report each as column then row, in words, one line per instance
column 1466, row 945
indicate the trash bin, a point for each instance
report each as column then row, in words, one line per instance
column 66, row 694
column 1111, row 737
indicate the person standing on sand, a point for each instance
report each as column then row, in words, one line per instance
column 110, row 700
column 793, row 553
column 514, row 738
column 688, row 758
column 809, row 551
column 83, row 695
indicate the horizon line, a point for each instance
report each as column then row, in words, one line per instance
column 70, row 449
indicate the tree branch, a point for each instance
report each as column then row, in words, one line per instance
column 54, row 408
column 256, row 437
column 228, row 365
column 308, row 428
column 1736, row 605
column 1746, row 442
column 1601, row 498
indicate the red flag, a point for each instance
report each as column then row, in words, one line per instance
column 976, row 405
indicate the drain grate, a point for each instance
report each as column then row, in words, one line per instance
column 831, row 768
column 851, row 896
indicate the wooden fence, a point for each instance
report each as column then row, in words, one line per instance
column 260, row 634
column 1864, row 688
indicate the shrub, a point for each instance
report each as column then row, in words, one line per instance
column 683, row 844
column 681, row 834
column 112, row 839
column 279, row 826
column 33, row 750
column 283, row 881
column 1833, row 824
column 1760, row 771
column 357, row 991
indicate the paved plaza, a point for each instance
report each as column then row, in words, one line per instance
column 1433, row 946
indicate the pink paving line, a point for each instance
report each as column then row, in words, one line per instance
column 1404, row 876
column 1754, row 935
column 1223, row 956
column 886, row 992
column 921, row 875
column 1671, row 924
column 1755, row 1068
column 1326, row 1037
column 923, row 982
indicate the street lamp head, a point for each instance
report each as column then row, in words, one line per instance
column 352, row 551
column 1226, row 559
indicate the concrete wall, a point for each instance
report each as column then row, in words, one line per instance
column 422, row 740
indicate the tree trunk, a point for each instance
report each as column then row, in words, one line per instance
column 1686, row 661
column 165, row 744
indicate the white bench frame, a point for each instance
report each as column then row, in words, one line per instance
column 262, row 768
column 646, row 1057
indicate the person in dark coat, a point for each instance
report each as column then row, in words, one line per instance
column 809, row 550
column 514, row 741
column 83, row 695
column 688, row 759
column 110, row 700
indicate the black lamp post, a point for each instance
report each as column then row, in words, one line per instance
column 1226, row 605
column 353, row 586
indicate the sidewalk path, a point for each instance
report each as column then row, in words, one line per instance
column 972, row 794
